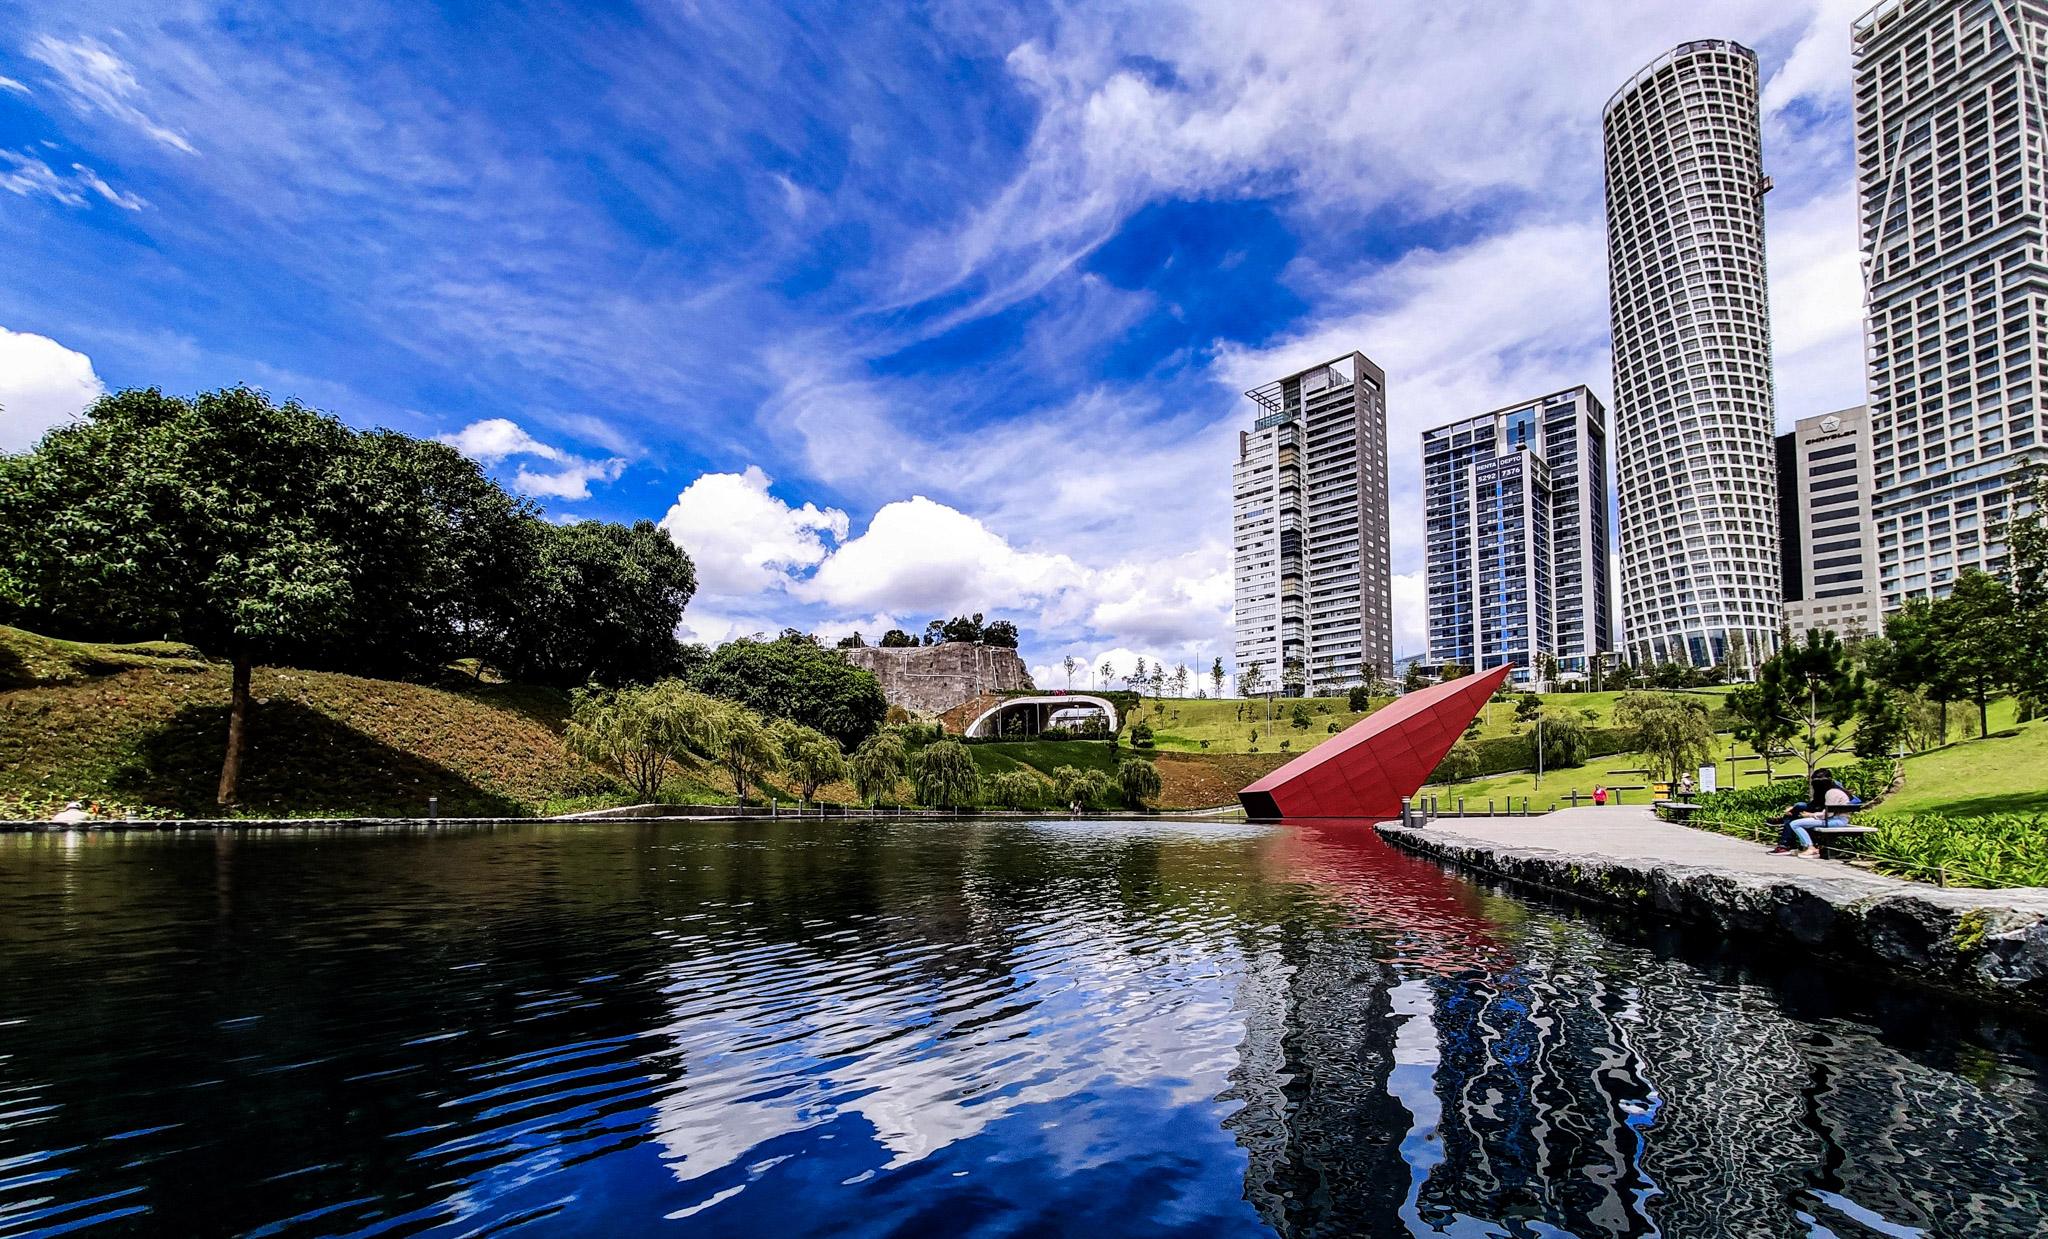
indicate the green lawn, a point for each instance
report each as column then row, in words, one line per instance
column 2005, row 772
column 1182, row 724
column 1045, row 756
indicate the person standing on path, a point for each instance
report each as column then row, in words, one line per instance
column 1599, row 794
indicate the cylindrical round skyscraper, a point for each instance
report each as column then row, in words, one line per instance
column 1693, row 415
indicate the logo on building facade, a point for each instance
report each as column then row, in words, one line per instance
column 1830, row 424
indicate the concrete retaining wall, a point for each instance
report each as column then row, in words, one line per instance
column 1989, row 945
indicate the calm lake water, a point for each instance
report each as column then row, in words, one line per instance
column 946, row 1029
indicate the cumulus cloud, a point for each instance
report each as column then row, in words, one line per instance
column 494, row 440
column 97, row 80
column 743, row 539
column 42, row 385
column 921, row 556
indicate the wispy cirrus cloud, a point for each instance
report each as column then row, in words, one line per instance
column 96, row 79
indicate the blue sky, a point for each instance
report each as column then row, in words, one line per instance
column 886, row 312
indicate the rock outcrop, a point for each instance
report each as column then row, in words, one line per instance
column 1989, row 944
column 932, row 679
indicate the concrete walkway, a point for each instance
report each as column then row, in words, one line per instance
column 1633, row 835
column 1986, row 943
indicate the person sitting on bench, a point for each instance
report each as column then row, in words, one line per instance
column 1829, row 804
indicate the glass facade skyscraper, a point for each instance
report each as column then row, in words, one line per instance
column 1693, row 412
column 1515, row 506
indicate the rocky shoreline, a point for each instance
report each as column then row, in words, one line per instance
column 1990, row 945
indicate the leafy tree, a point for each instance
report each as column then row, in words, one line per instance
column 1528, row 707
column 1359, row 699
column 1088, row 788
column 811, row 756
column 601, row 604
column 2026, row 536
column 741, row 744
column 1564, row 738
column 1292, row 674
column 1908, row 657
column 1881, row 731
column 1180, row 680
column 1002, row 634
column 945, row 776
column 1141, row 735
column 1251, row 681
column 796, row 680
column 1070, row 664
column 1015, row 789
column 852, row 643
column 965, row 628
column 1753, row 720
column 1138, row 779
column 218, row 521
column 1414, row 681
column 1926, row 722
column 1216, row 678
column 1670, row 732
column 877, row 766
column 636, row 732
column 1803, row 696
column 1299, row 716
column 1461, row 762
column 896, row 639
column 1977, row 639
column 935, row 632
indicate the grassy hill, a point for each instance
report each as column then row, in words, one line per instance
column 140, row 728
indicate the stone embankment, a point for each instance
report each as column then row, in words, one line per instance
column 1991, row 945
column 932, row 679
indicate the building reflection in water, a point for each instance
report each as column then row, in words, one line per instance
column 1543, row 1077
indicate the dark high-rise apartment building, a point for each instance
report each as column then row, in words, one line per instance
column 1952, row 169
column 1515, row 507
column 1693, row 413
column 1824, row 518
column 1313, row 604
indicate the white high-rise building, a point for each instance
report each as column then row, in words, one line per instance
column 1694, row 423
column 1314, row 605
column 1952, row 167
column 1515, row 507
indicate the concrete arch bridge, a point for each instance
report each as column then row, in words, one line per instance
column 1034, row 714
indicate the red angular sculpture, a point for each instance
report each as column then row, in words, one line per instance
column 1370, row 767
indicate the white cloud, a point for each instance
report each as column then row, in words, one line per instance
column 96, row 79
column 9, row 84
column 495, row 440
column 921, row 556
column 42, row 384
column 570, row 481
column 744, row 540
column 126, row 201
column 25, row 174
column 1411, row 614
